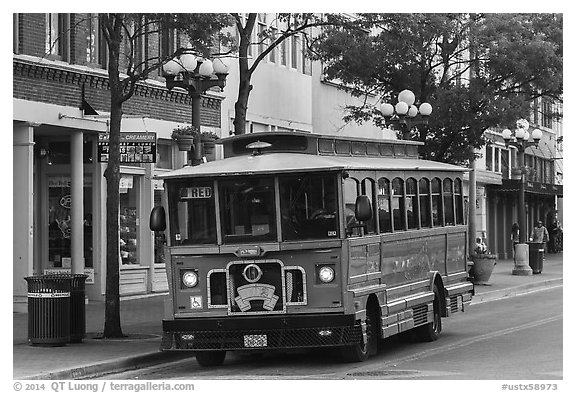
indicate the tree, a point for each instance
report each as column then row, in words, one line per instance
column 122, row 31
column 286, row 25
column 479, row 71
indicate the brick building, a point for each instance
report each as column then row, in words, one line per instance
column 61, row 101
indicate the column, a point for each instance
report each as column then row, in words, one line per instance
column 23, row 210
column 77, row 196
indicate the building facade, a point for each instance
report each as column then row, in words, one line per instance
column 61, row 105
column 498, row 180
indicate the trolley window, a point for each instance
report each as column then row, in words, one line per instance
column 384, row 211
column 247, row 210
column 411, row 203
column 398, row 207
column 448, row 202
column 308, row 207
column 424, row 191
column 437, row 215
column 191, row 207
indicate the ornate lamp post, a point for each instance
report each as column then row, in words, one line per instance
column 405, row 115
column 195, row 75
column 521, row 140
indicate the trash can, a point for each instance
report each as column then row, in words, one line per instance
column 77, row 307
column 48, row 310
column 536, row 256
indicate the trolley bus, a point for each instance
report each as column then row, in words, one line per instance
column 298, row 240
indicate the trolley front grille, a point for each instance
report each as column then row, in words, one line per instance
column 262, row 339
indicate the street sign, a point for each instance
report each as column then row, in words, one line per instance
column 135, row 147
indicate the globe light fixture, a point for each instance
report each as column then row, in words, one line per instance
column 405, row 115
column 196, row 75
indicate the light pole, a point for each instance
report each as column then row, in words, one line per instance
column 405, row 115
column 195, row 75
column 521, row 140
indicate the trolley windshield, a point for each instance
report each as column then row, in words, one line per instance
column 249, row 209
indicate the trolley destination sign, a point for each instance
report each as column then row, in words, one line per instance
column 135, row 147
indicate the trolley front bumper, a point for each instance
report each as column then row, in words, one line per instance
column 260, row 332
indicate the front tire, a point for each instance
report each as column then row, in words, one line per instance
column 431, row 331
column 210, row 358
column 363, row 350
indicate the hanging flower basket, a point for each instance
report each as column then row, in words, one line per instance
column 184, row 137
column 208, row 141
column 184, row 142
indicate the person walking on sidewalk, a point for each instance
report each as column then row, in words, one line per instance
column 539, row 233
column 515, row 237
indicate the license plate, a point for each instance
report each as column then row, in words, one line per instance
column 255, row 340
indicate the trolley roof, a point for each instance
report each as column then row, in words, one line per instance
column 276, row 163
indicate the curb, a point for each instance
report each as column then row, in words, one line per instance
column 514, row 291
column 112, row 366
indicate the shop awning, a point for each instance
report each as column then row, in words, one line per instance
column 512, row 185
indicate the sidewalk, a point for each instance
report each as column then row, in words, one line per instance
column 142, row 322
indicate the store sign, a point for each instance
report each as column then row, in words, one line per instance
column 66, row 181
column 135, row 147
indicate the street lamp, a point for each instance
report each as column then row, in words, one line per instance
column 521, row 140
column 195, row 75
column 405, row 115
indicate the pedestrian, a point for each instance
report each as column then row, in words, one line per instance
column 515, row 237
column 539, row 233
column 554, row 230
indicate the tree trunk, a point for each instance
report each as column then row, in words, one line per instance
column 245, row 74
column 112, row 326
column 241, row 105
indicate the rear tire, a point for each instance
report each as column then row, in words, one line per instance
column 210, row 358
column 431, row 331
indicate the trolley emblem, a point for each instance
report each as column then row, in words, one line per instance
column 249, row 292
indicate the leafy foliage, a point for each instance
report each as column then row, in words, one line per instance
column 478, row 71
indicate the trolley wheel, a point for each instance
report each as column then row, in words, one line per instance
column 363, row 350
column 431, row 331
column 210, row 358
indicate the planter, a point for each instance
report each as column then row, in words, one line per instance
column 482, row 269
column 208, row 143
column 184, row 142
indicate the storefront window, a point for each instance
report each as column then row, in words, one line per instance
column 60, row 229
column 128, row 214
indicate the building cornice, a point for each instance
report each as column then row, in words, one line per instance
column 58, row 71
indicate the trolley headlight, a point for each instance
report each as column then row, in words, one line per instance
column 326, row 274
column 190, row 279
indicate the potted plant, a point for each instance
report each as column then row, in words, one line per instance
column 208, row 141
column 483, row 263
column 184, row 137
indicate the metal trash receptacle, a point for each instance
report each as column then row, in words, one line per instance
column 48, row 310
column 77, row 307
column 536, row 256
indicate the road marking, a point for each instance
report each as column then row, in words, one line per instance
column 469, row 341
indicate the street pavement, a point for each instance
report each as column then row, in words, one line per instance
column 142, row 324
